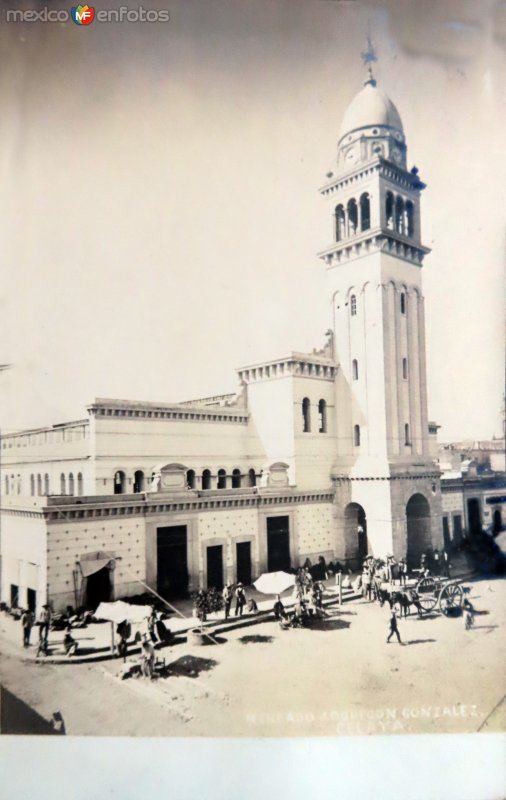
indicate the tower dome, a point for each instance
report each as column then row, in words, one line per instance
column 371, row 129
column 370, row 108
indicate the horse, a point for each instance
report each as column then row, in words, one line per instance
column 405, row 600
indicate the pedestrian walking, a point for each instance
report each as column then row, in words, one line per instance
column 240, row 600
column 26, row 624
column 227, row 599
column 44, row 623
column 393, row 627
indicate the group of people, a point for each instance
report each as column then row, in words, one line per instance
column 435, row 562
column 308, row 596
column 44, row 624
column 241, row 601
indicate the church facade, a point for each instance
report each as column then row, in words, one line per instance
column 318, row 454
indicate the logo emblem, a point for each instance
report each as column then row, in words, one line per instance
column 83, row 15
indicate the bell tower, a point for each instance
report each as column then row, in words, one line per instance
column 374, row 268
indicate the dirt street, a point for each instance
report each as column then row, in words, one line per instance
column 341, row 679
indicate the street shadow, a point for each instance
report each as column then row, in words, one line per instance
column 484, row 627
column 188, row 667
column 256, row 639
column 17, row 717
column 420, row 641
column 327, row 624
column 423, row 617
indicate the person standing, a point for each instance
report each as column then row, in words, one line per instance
column 393, row 627
column 26, row 624
column 227, row 599
column 446, row 563
column 240, row 600
column 148, row 658
column 44, row 623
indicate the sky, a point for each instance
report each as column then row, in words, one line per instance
column 159, row 206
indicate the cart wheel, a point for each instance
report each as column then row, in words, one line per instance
column 426, row 589
column 451, row 598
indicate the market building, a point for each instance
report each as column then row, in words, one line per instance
column 328, row 453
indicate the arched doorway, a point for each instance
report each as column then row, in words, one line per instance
column 355, row 533
column 418, row 528
column 119, row 482
column 138, row 481
column 497, row 522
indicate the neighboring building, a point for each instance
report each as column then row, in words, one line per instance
column 326, row 453
column 472, row 503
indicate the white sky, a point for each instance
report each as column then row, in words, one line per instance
column 159, row 213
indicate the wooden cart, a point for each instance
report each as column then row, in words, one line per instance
column 440, row 594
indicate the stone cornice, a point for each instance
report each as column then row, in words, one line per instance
column 385, row 169
column 190, row 501
column 308, row 365
column 371, row 241
column 124, row 409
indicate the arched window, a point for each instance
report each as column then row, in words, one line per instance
column 354, row 369
column 353, row 305
column 405, row 368
column 71, row 485
column 139, row 481
column 190, row 479
column 63, row 489
column 352, row 211
column 236, row 479
column 340, row 222
column 39, row 485
column 6, row 484
column 322, row 416
column 409, row 223
column 356, row 435
column 403, row 303
column 406, row 434
column 389, row 210
column 32, row 485
column 252, row 477
column 365, row 212
column 222, row 479
column 13, row 485
column 80, row 484
column 399, row 215
column 119, row 482
column 18, row 485
column 46, row 484
column 306, row 415
column 206, row 479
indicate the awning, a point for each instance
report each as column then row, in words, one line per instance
column 94, row 562
column 119, row 611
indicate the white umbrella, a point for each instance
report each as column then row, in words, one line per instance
column 274, row 582
column 119, row 611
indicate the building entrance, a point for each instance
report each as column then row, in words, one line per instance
column 278, row 544
column 31, row 600
column 98, row 588
column 474, row 516
column 172, row 561
column 243, row 554
column 418, row 529
column 215, row 567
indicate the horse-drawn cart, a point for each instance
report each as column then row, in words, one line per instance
column 440, row 594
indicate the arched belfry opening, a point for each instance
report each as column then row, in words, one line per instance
column 355, row 535
column 418, row 529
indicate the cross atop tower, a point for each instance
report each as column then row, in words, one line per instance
column 368, row 57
